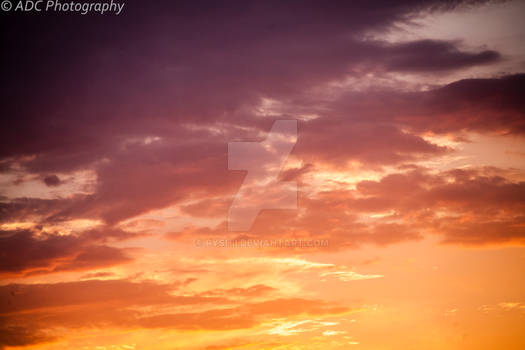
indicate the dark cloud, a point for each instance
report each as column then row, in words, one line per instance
column 150, row 108
column 96, row 275
column 433, row 55
column 206, row 62
column 483, row 105
column 52, row 180
column 22, row 336
column 17, row 298
column 337, row 141
column 492, row 105
column 30, row 252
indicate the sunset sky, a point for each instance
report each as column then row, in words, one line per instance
column 384, row 142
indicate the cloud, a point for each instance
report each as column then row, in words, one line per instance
column 463, row 206
column 349, row 275
column 21, row 336
column 166, row 118
column 112, row 303
column 433, row 55
column 491, row 105
column 20, row 298
column 52, row 180
column 115, row 92
column 96, row 275
column 252, row 291
column 29, row 252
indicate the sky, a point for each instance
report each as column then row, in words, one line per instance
column 280, row 175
